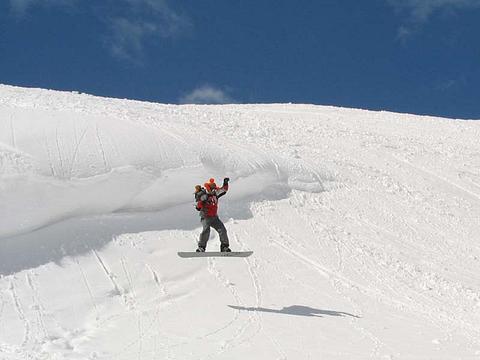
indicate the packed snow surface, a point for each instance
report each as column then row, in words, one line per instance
column 364, row 226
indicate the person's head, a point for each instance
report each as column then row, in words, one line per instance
column 198, row 188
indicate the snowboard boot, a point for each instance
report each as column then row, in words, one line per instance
column 200, row 249
column 225, row 248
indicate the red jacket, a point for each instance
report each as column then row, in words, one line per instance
column 208, row 203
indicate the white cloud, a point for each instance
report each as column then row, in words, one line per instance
column 419, row 11
column 206, row 94
column 139, row 22
column 130, row 23
column 452, row 83
column 169, row 21
column 126, row 38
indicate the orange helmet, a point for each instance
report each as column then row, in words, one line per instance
column 210, row 185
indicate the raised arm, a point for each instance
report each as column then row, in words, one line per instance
column 223, row 190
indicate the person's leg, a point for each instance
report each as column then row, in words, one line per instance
column 205, row 234
column 218, row 225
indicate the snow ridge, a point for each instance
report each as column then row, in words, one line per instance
column 75, row 160
column 364, row 227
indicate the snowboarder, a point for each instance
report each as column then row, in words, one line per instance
column 207, row 204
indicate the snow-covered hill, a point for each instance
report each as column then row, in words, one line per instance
column 364, row 225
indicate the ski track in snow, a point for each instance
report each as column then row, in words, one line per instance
column 371, row 214
column 37, row 306
column 336, row 281
column 332, row 239
column 89, row 289
column 116, row 291
column 21, row 314
column 437, row 177
column 229, row 343
column 253, row 265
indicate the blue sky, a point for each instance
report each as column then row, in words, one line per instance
column 416, row 56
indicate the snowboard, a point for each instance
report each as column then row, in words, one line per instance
column 193, row 254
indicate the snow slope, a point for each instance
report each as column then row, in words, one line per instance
column 364, row 225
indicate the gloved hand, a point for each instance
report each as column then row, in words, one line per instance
column 225, row 181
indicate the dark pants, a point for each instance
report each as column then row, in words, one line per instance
column 217, row 224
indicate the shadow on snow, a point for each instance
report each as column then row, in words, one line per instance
column 298, row 310
column 78, row 236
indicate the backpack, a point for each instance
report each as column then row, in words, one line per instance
column 201, row 194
